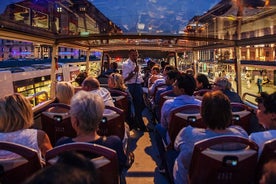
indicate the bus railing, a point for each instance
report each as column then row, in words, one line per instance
column 249, row 100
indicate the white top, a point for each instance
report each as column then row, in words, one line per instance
column 261, row 137
column 105, row 94
column 128, row 67
column 25, row 137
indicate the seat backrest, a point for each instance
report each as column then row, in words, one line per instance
column 113, row 122
column 163, row 97
column 18, row 169
column 158, row 87
column 182, row 117
column 242, row 115
column 268, row 153
column 104, row 159
column 199, row 93
column 223, row 159
column 57, row 125
column 120, row 99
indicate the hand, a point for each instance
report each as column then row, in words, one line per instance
column 136, row 69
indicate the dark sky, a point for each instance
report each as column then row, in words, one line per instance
column 167, row 16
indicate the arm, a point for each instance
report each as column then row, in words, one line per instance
column 44, row 143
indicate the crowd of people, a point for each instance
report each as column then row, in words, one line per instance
column 88, row 104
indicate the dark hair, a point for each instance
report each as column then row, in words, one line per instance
column 80, row 78
column 169, row 67
column 186, row 82
column 269, row 101
column 201, row 78
column 173, row 74
column 71, row 168
column 114, row 65
column 216, row 110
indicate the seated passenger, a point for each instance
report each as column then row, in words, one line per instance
column 159, row 81
column 183, row 88
column 266, row 115
column 86, row 113
column 64, row 93
column 116, row 81
column 217, row 115
column 223, row 84
column 92, row 85
column 80, row 78
column 169, row 80
column 113, row 69
column 154, row 75
column 16, row 119
column 202, row 82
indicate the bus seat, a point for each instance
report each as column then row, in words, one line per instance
column 120, row 99
column 268, row 153
column 104, row 159
column 57, row 125
column 113, row 122
column 232, row 164
column 242, row 116
column 14, row 171
column 182, row 117
column 163, row 97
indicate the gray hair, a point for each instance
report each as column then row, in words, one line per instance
column 224, row 83
column 88, row 109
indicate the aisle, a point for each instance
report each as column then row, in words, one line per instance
column 143, row 170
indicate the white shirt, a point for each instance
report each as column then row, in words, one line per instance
column 128, row 67
column 105, row 94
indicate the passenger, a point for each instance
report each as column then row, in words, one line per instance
column 147, row 72
column 92, row 85
column 113, row 69
column 86, row 113
column 80, row 78
column 269, row 173
column 155, row 74
column 183, row 88
column 133, row 79
column 202, row 82
column 70, row 168
column 217, row 115
column 116, row 81
column 161, row 80
column 16, row 119
column 64, row 93
column 266, row 115
column 170, row 79
column 223, row 84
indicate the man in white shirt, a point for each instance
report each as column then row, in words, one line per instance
column 93, row 85
column 133, row 79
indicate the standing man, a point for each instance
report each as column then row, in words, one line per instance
column 133, row 79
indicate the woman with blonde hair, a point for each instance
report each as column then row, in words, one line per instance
column 64, row 92
column 116, row 81
column 16, row 119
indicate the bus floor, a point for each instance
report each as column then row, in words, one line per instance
column 144, row 169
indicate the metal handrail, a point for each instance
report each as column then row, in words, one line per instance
column 38, row 94
column 250, row 103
